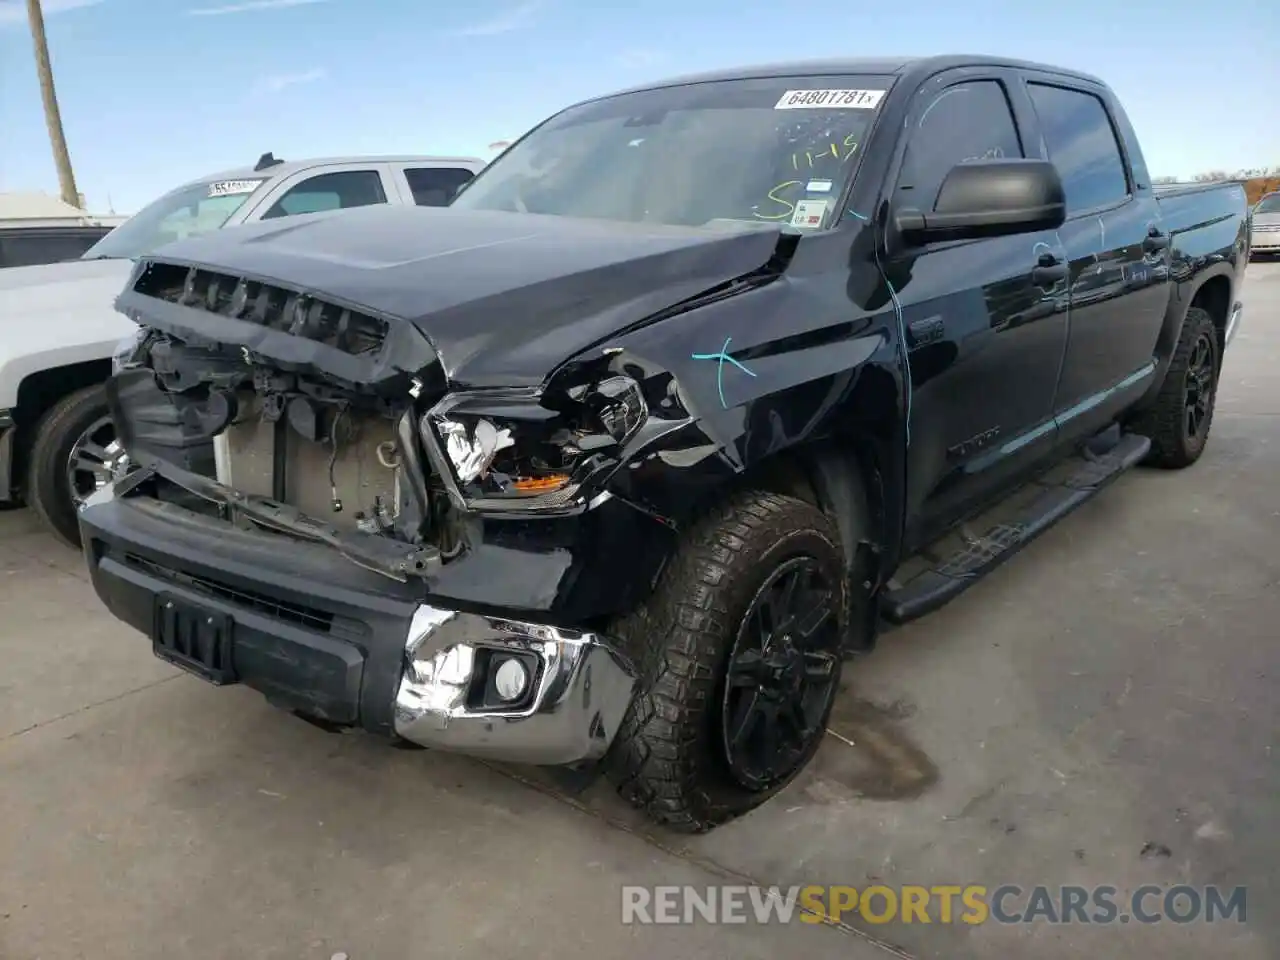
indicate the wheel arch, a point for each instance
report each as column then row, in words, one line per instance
column 37, row 393
column 1214, row 297
column 1212, row 290
column 850, row 479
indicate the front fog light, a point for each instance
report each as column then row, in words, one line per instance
column 510, row 680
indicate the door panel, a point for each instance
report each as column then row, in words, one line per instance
column 1114, row 323
column 982, row 405
column 985, row 338
column 1117, row 293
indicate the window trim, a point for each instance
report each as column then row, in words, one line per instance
column 405, row 168
column 1030, row 79
column 929, row 90
column 1004, row 92
column 286, row 193
column 273, row 190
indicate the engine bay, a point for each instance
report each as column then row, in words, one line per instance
column 343, row 460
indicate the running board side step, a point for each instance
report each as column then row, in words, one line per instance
column 937, row 585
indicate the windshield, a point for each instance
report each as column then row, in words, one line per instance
column 1268, row 204
column 186, row 212
column 777, row 150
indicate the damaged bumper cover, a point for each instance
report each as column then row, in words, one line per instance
column 292, row 617
column 389, row 557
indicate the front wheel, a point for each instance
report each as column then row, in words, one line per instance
column 74, row 454
column 740, row 656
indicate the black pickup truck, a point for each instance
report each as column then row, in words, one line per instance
column 612, row 464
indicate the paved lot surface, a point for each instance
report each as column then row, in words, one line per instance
column 1101, row 711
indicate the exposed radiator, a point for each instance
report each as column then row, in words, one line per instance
column 245, row 459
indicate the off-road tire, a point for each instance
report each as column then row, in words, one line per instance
column 668, row 758
column 48, row 492
column 1165, row 422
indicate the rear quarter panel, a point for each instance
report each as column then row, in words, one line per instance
column 1209, row 247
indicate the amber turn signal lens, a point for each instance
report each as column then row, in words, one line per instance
column 540, row 484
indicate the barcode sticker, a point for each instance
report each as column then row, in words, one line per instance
column 829, row 100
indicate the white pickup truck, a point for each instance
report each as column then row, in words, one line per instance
column 60, row 327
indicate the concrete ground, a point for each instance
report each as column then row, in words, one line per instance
column 1100, row 711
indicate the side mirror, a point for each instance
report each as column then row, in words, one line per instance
column 989, row 198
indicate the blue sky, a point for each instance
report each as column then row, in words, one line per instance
column 155, row 92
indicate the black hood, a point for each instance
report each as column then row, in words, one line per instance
column 503, row 298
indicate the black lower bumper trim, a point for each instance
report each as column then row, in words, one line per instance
column 304, row 626
column 194, row 638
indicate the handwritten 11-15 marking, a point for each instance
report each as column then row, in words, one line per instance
column 850, row 144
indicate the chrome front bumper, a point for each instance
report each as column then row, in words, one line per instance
column 579, row 688
column 1233, row 323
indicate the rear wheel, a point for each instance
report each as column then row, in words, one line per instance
column 1179, row 422
column 74, row 454
column 740, row 658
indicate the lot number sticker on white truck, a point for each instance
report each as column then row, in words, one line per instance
column 829, row 100
column 228, row 188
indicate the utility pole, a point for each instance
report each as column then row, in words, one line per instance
column 52, row 117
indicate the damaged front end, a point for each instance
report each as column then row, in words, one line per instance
column 294, row 407
column 271, row 432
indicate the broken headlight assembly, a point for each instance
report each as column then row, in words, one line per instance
column 524, row 451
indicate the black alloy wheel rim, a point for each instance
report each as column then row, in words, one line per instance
column 1199, row 387
column 781, row 675
column 94, row 461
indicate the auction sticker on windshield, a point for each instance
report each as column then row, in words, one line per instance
column 228, row 188
column 809, row 214
column 829, row 100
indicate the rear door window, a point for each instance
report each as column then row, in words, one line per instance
column 436, row 186
column 966, row 122
column 1082, row 145
column 330, row 191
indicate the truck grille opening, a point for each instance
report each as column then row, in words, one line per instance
column 271, row 306
column 342, row 482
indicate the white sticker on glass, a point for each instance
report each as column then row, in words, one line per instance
column 829, row 100
column 227, row 188
column 809, row 214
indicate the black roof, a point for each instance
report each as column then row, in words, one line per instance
column 858, row 65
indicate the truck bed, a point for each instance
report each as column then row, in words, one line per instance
column 1163, row 190
column 1191, row 206
column 24, row 246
